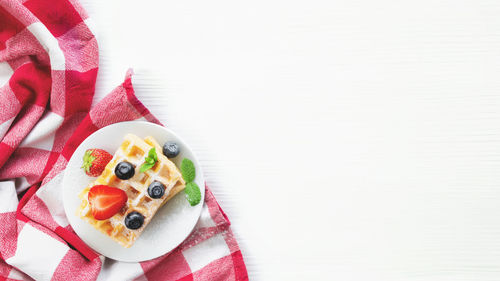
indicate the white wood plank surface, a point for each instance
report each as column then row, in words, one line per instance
column 346, row 140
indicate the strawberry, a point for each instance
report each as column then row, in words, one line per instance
column 94, row 161
column 105, row 201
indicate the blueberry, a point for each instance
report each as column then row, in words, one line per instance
column 156, row 190
column 124, row 170
column 134, row 220
column 171, row 149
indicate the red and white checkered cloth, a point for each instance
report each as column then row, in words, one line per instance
column 50, row 58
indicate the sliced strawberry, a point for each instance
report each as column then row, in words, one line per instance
column 105, row 201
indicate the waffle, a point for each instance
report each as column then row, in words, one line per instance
column 133, row 150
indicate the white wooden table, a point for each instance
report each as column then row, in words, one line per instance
column 346, row 140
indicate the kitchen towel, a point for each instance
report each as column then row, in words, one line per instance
column 48, row 69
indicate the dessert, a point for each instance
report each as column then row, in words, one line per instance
column 148, row 180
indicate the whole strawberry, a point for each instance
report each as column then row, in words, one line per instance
column 94, row 161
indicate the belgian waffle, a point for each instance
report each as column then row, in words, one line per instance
column 133, row 150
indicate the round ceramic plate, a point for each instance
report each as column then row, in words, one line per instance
column 171, row 224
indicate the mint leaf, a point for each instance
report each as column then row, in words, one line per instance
column 149, row 161
column 146, row 166
column 152, row 154
column 187, row 170
column 193, row 193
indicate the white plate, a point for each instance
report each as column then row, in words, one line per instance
column 172, row 223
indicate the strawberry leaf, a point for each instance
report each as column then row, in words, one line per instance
column 88, row 159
